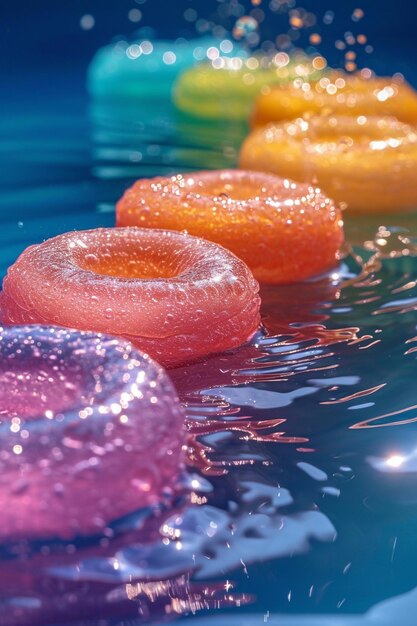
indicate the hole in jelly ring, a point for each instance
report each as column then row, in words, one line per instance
column 339, row 94
column 369, row 163
column 176, row 297
column 90, row 430
column 284, row 231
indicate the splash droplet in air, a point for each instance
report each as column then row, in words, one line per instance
column 245, row 26
column 357, row 15
column 87, row 22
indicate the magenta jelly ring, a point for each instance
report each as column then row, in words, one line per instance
column 90, row 430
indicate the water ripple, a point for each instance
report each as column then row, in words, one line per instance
column 296, row 492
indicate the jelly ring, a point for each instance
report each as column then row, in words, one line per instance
column 339, row 94
column 143, row 68
column 265, row 220
column 228, row 88
column 368, row 163
column 176, row 297
column 91, row 429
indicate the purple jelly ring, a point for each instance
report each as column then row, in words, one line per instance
column 90, row 430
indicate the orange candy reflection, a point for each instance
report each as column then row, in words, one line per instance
column 284, row 231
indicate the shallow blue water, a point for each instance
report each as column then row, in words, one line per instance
column 302, row 446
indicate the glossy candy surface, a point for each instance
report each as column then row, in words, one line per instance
column 339, row 94
column 284, row 231
column 368, row 163
column 90, row 430
column 228, row 88
column 177, row 297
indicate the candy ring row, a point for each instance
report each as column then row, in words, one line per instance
column 177, row 279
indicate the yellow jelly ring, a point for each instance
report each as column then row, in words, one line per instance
column 340, row 94
column 368, row 163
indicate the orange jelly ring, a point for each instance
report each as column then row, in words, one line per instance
column 284, row 231
column 337, row 93
column 368, row 163
column 177, row 297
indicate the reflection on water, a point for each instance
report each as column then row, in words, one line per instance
column 127, row 144
column 299, row 500
column 400, row 609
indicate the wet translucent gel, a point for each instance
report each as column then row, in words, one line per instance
column 90, row 431
column 177, row 297
column 337, row 93
column 366, row 163
column 226, row 89
column 124, row 69
column 284, row 231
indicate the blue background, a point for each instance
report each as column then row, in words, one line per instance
column 44, row 51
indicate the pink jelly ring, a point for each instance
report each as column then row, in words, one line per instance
column 90, row 430
column 176, row 297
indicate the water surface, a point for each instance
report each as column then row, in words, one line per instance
column 300, row 504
